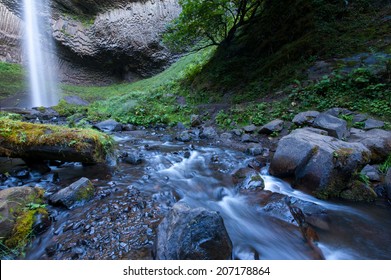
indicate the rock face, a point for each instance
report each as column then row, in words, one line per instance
column 192, row 234
column 107, row 40
column 320, row 163
column 388, row 183
column 10, row 36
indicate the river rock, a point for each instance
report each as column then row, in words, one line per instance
column 250, row 128
column 273, row 126
column 371, row 124
column 12, row 201
column 371, row 172
column 75, row 194
column 208, row 133
column 305, row 118
column 192, row 234
column 333, row 125
column 378, row 141
column 108, row 126
column 184, row 136
column 322, row 164
column 336, row 112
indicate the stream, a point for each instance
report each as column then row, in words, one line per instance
column 121, row 221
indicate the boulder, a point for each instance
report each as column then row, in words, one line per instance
column 273, row 126
column 334, row 126
column 336, row 112
column 322, row 164
column 75, row 194
column 305, row 118
column 109, row 126
column 192, row 234
column 208, row 133
column 378, row 141
column 13, row 203
column 184, row 136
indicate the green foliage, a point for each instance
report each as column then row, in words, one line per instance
column 385, row 165
column 12, row 79
column 205, row 23
column 361, row 90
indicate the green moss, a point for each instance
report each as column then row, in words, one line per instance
column 12, row 79
column 359, row 191
column 49, row 135
column 85, row 193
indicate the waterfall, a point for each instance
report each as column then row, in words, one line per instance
column 39, row 50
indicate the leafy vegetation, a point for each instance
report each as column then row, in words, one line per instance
column 209, row 23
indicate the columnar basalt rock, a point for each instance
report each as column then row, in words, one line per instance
column 10, row 36
column 113, row 39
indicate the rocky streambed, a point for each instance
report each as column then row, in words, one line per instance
column 200, row 193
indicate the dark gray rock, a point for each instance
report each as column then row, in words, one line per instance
column 357, row 118
column 247, row 138
column 208, row 133
column 192, row 234
column 184, row 136
column 133, row 159
column 195, row 120
column 319, row 163
column 371, row 124
column 333, row 125
column 250, row 128
column 305, row 118
column 75, row 194
column 254, row 150
column 237, row 132
column 109, row 126
column 273, row 126
column 378, row 141
column 371, row 172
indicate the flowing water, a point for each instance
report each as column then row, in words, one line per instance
column 40, row 53
column 258, row 221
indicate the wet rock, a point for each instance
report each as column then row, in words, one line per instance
column 192, row 234
column 195, row 120
column 108, row 126
column 273, row 126
column 184, row 136
column 250, row 128
column 334, row 126
column 371, row 124
column 133, row 159
column 305, row 118
column 237, row 132
column 208, row 133
column 254, row 150
column 75, row 194
column 322, row 164
column 378, row 141
column 371, row 172
column 41, row 222
column 21, row 173
column 247, row 138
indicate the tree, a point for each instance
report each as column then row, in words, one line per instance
column 204, row 23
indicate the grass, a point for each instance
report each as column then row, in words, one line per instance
column 12, row 79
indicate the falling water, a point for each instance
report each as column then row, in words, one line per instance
column 39, row 50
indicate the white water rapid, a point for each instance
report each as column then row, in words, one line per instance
column 39, row 50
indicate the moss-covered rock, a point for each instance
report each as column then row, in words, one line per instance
column 359, row 191
column 37, row 141
column 18, row 209
column 75, row 194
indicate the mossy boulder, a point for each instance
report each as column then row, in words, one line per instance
column 50, row 142
column 359, row 191
column 322, row 164
column 75, row 194
column 19, row 209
